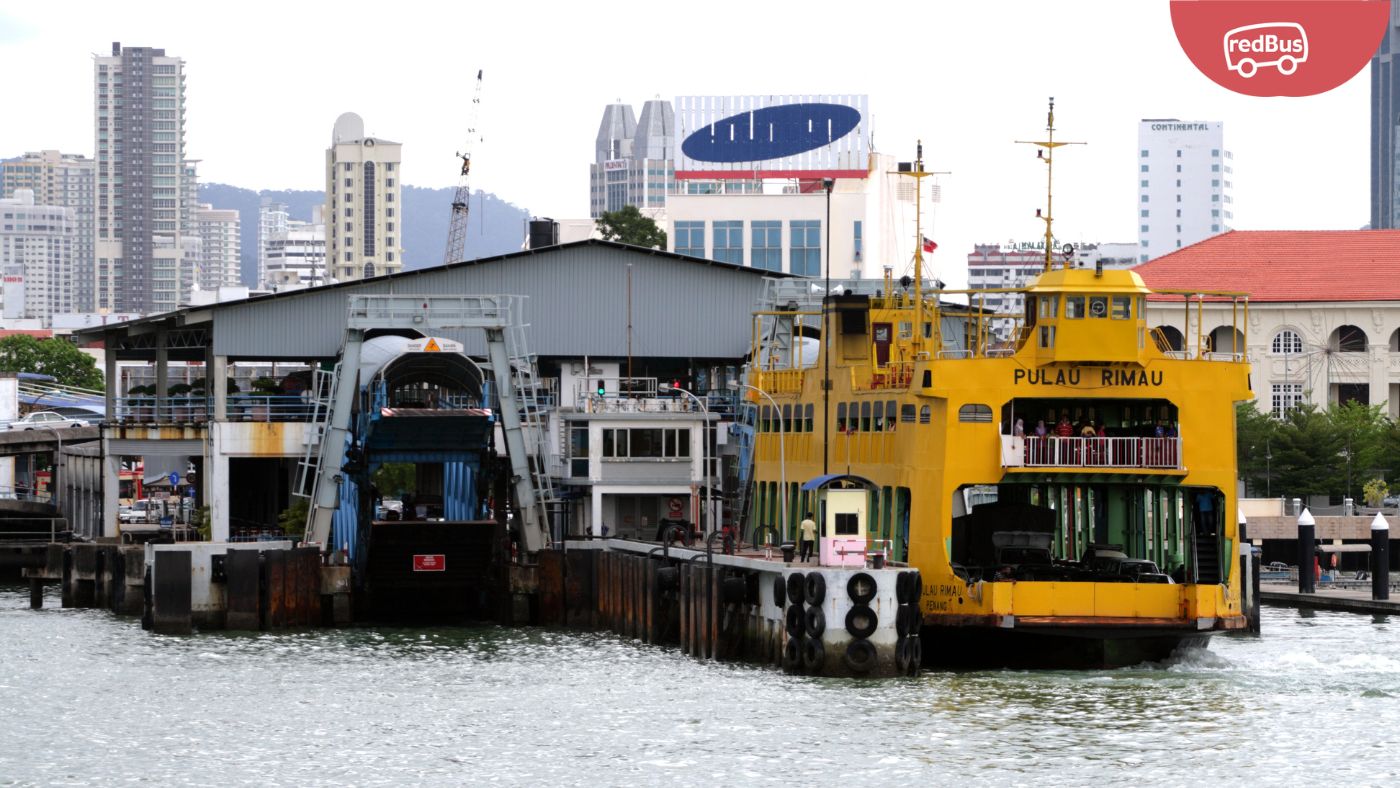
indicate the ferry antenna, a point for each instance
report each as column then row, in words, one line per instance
column 1047, row 155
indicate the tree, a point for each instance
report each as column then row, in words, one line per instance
column 1308, row 454
column 1362, row 429
column 395, row 478
column 627, row 225
column 1256, row 437
column 57, row 357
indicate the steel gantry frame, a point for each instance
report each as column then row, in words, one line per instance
column 512, row 366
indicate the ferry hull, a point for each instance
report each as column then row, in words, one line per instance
column 1063, row 648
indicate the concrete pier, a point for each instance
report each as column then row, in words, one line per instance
column 845, row 621
column 1348, row 600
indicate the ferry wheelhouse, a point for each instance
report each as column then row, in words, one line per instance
column 1105, row 537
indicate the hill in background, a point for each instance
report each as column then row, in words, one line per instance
column 496, row 226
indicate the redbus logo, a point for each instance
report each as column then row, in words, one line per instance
column 1265, row 57
column 1282, row 45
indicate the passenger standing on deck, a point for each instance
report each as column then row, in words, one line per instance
column 808, row 528
column 1064, row 429
column 1020, row 429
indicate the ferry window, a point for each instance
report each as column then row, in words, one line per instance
column 977, row 414
column 1098, row 306
column 1074, row 306
column 766, row 423
column 890, row 415
column 840, row 417
column 865, row 417
column 1048, row 305
column 1141, row 307
column 1122, row 307
column 925, row 415
column 928, row 330
column 878, row 421
column 1047, row 336
column 808, row 428
column 928, row 379
column 787, row 418
column 906, row 414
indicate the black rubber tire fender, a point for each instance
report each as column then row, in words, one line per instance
column 861, row 588
column 901, row 587
column 816, row 588
column 815, row 621
column 779, row 591
column 861, row 621
column 916, row 655
column 813, row 655
column 792, row 654
column 860, row 656
column 906, row 620
column 916, row 587
column 796, row 624
column 901, row 656
column 797, row 588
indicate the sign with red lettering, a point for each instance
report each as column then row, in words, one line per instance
column 675, row 509
column 430, row 563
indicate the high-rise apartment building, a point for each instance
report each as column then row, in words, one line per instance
column 363, row 212
column 67, row 180
column 142, row 190
column 38, row 247
column 272, row 220
column 1385, row 127
column 296, row 254
column 220, row 250
column 634, row 162
column 1185, row 184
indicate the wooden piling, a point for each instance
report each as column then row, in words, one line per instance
column 36, row 593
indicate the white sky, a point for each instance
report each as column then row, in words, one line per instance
column 265, row 82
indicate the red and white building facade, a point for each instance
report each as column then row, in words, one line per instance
column 1323, row 321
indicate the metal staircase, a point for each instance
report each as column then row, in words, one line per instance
column 534, row 401
column 322, row 386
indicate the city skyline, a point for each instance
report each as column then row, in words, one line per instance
column 967, row 96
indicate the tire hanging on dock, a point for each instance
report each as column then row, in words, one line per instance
column 779, row 591
column 796, row 624
column 906, row 621
column 816, row 622
column 796, row 588
column 860, row 656
column 792, row 654
column 861, row 621
column 816, row 588
column 861, row 588
column 813, row 655
column 901, row 656
column 916, row 656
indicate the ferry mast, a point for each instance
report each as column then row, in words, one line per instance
column 918, row 173
column 1047, row 155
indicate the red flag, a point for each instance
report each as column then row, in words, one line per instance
column 929, row 246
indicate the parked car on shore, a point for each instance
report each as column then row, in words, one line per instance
column 41, row 419
column 139, row 512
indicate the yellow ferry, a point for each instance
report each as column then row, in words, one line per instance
column 1105, row 537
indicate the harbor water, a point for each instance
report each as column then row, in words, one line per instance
column 87, row 698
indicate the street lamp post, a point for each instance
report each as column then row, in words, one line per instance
column 782, row 450
column 704, row 452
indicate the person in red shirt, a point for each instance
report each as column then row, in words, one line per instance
column 1063, row 428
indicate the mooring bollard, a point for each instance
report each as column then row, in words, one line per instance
column 1307, row 551
column 1380, row 558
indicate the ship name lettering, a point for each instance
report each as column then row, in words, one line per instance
column 1041, row 377
column 1131, row 377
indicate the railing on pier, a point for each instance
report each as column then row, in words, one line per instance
column 197, row 410
column 1057, row 452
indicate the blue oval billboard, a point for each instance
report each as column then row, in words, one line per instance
column 771, row 133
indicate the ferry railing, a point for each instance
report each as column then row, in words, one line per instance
column 1085, row 452
column 779, row 381
column 895, row 375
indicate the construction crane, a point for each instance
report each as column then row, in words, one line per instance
column 461, row 201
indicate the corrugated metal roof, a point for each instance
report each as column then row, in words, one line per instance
column 577, row 305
